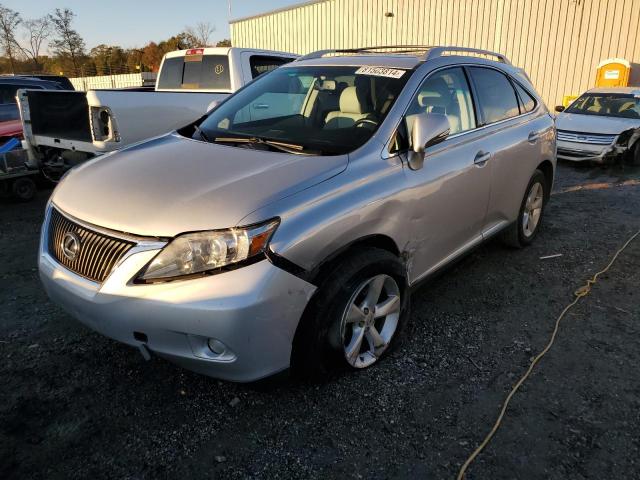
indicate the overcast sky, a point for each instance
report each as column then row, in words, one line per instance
column 133, row 23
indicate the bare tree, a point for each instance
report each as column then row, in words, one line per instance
column 201, row 33
column 67, row 42
column 9, row 21
column 36, row 33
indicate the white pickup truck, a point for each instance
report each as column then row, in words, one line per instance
column 63, row 128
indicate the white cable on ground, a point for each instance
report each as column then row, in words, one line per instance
column 581, row 292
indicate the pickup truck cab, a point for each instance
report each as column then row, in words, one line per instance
column 64, row 128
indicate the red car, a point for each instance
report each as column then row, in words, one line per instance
column 10, row 129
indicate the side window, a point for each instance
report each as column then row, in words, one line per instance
column 262, row 64
column 527, row 102
column 283, row 100
column 445, row 92
column 497, row 98
column 8, row 93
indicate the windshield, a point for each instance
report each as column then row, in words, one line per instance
column 326, row 110
column 607, row 105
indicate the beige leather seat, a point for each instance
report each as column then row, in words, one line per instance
column 354, row 106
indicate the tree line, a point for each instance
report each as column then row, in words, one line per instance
column 23, row 45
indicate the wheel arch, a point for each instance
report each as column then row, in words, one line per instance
column 328, row 264
column 546, row 167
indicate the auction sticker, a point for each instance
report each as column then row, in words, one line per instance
column 380, row 72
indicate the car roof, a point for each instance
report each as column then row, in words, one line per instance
column 10, row 80
column 226, row 51
column 396, row 56
column 623, row 90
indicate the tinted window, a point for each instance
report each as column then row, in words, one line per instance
column 527, row 102
column 8, row 92
column 209, row 72
column 263, row 64
column 445, row 92
column 497, row 98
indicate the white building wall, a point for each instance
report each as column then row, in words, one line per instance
column 558, row 42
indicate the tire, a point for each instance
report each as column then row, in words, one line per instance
column 24, row 189
column 326, row 333
column 522, row 233
column 635, row 157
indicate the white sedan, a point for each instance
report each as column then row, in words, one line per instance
column 601, row 125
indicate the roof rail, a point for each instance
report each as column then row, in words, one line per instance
column 439, row 51
column 427, row 52
column 373, row 49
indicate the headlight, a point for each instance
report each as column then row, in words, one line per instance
column 201, row 252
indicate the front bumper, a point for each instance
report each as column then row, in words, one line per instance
column 253, row 310
column 586, row 152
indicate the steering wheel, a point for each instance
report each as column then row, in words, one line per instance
column 365, row 122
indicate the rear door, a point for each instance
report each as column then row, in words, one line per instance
column 449, row 195
column 513, row 139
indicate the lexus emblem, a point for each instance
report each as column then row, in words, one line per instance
column 70, row 245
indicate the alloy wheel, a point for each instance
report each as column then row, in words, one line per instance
column 532, row 209
column 370, row 320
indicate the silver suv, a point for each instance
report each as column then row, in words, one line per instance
column 288, row 226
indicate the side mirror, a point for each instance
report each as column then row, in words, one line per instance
column 428, row 129
column 559, row 108
column 212, row 105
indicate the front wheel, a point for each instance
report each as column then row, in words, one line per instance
column 356, row 316
column 525, row 229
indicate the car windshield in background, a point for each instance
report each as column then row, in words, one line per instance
column 607, row 105
column 315, row 110
column 191, row 72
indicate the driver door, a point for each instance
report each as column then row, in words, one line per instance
column 449, row 195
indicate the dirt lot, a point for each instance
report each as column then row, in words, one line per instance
column 74, row 404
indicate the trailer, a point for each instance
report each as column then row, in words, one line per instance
column 17, row 177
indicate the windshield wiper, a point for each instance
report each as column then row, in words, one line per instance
column 284, row 146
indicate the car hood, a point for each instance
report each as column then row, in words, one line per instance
column 173, row 184
column 575, row 122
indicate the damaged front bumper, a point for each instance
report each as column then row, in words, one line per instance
column 584, row 152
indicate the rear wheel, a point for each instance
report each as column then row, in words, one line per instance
column 525, row 229
column 24, row 189
column 356, row 316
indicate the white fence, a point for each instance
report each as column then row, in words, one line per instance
column 103, row 82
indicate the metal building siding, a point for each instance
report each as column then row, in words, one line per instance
column 558, row 42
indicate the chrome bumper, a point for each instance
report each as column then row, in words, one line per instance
column 254, row 311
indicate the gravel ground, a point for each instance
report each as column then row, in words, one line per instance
column 74, row 404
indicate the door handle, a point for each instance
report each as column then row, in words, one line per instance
column 534, row 136
column 481, row 158
column 260, row 106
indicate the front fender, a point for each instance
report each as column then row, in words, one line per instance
column 361, row 202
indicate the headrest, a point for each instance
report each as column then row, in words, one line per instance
column 437, row 93
column 353, row 100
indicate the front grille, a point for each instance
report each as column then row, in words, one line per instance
column 97, row 253
column 592, row 138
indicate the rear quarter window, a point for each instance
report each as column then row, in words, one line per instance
column 527, row 102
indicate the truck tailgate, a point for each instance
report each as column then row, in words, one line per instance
column 59, row 114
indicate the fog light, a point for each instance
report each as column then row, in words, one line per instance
column 216, row 346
